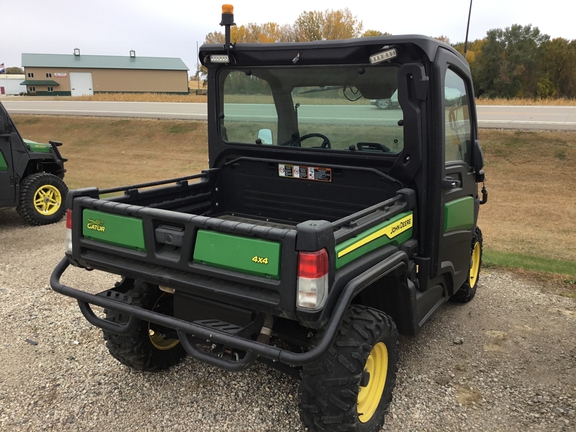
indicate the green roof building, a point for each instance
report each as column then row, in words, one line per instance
column 77, row 74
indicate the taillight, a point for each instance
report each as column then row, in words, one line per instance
column 69, row 231
column 312, row 279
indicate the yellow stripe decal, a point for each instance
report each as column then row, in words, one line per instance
column 389, row 231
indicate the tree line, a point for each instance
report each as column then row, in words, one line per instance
column 515, row 62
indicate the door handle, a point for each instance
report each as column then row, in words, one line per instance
column 450, row 183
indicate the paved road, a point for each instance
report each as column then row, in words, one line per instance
column 512, row 117
column 527, row 117
column 190, row 111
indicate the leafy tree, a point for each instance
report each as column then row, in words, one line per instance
column 327, row 25
column 443, row 38
column 559, row 67
column 14, row 70
column 308, row 26
column 254, row 33
column 215, row 38
column 369, row 33
column 509, row 63
column 340, row 24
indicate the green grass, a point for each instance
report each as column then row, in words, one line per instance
column 492, row 258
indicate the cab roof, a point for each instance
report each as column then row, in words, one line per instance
column 349, row 51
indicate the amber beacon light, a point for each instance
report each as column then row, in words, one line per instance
column 227, row 22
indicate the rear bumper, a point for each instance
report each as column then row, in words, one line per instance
column 189, row 330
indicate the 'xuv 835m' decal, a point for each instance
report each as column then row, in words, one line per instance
column 394, row 231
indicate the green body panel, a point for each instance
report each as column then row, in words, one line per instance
column 243, row 254
column 37, row 147
column 113, row 229
column 3, row 163
column 459, row 214
column 394, row 231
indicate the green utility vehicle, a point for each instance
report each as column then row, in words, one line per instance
column 31, row 175
column 322, row 229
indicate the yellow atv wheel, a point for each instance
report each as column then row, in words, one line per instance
column 376, row 369
column 41, row 199
column 350, row 387
column 47, row 200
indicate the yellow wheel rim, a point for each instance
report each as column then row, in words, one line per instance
column 475, row 264
column 156, row 337
column 47, row 200
column 369, row 396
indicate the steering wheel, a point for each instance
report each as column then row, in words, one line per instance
column 325, row 140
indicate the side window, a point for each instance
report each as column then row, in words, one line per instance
column 457, row 140
column 249, row 111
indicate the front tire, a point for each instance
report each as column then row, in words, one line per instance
column 350, row 388
column 468, row 290
column 147, row 348
column 41, row 199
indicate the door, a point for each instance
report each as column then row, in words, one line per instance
column 459, row 202
column 7, row 189
column 81, row 83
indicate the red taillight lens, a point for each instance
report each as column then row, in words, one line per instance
column 313, row 265
column 69, row 231
column 69, row 219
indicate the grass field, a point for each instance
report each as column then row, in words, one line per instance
column 530, row 176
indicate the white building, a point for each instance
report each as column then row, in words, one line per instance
column 11, row 84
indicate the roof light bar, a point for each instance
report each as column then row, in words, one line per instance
column 383, row 56
column 219, row 58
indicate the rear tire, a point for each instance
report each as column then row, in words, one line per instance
column 41, row 199
column 350, row 388
column 468, row 290
column 146, row 348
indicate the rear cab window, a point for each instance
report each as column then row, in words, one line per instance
column 322, row 107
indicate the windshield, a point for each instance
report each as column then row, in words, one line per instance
column 346, row 108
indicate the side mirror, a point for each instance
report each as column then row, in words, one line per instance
column 265, row 137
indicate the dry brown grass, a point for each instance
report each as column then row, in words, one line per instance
column 531, row 180
column 140, row 97
column 116, row 152
column 526, row 101
column 530, row 176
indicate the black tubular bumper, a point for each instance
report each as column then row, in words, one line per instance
column 187, row 329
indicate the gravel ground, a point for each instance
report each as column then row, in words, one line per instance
column 505, row 361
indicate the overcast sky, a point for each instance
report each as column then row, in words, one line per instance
column 172, row 28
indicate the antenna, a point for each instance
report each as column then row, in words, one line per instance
column 467, row 28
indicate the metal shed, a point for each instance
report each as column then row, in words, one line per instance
column 11, row 84
column 77, row 75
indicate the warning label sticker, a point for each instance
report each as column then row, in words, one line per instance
column 305, row 172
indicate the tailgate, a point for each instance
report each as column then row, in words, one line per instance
column 235, row 262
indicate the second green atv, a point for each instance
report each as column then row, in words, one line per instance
column 31, row 175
